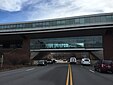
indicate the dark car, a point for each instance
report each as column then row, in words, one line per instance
column 104, row 66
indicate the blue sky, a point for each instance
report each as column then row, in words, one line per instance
column 30, row 10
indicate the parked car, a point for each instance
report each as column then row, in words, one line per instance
column 85, row 61
column 42, row 62
column 73, row 60
column 104, row 66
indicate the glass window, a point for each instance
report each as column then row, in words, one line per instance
column 33, row 24
column 40, row 24
column 0, row 26
column 5, row 26
column 58, row 22
column 18, row 26
column 112, row 17
column 103, row 19
column 8, row 26
column 29, row 25
column 108, row 18
column 71, row 21
column 87, row 20
column 43, row 24
column 72, row 42
column 23, row 25
column 67, row 22
column 14, row 25
column 82, row 21
column 61, row 22
column 11, row 26
column 77, row 21
column 51, row 23
column 47, row 23
column 54, row 23
column 37, row 23
column 92, row 19
column 97, row 19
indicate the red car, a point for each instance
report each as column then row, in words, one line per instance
column 104, row 66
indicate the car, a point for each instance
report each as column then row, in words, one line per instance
column 86, row 61
column 49, row 61
column 54, row 61
column 42, row 62
column 104, row 66
column 73, row 60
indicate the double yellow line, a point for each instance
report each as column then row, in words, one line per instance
column 69, row 79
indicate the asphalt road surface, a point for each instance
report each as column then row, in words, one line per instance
column 56, row 74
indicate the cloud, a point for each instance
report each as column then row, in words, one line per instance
column 11, row 5
column 67, row 8
column 47, row 9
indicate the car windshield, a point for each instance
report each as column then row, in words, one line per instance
column 86, row 59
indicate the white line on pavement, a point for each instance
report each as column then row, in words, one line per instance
column 91, row 71
column 30, row 69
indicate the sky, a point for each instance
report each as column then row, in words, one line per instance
column 30, row 10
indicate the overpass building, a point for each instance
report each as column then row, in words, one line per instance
column 87, row 32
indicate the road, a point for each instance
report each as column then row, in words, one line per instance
column 56, row 74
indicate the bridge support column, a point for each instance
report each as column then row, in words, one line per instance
column 26, row 48
column 19, row 55
column 108, row 45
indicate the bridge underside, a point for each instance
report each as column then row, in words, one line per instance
column 23, row 50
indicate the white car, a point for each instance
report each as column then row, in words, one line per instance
column 73, row 60
column 85, row 61
column 42, row 62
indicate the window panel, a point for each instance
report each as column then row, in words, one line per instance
column 71, row 21
column 67, row 22
column 47, row 23
column 87, row 20
column 82, row 21
column 77, row 21
column 112, row 18
column 97, row 19
column 92, row 19
column 103, row 18
column 108, row 18
column 33, row 25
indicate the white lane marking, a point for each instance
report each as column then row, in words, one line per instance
column 30, row 69
column 91, row 71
